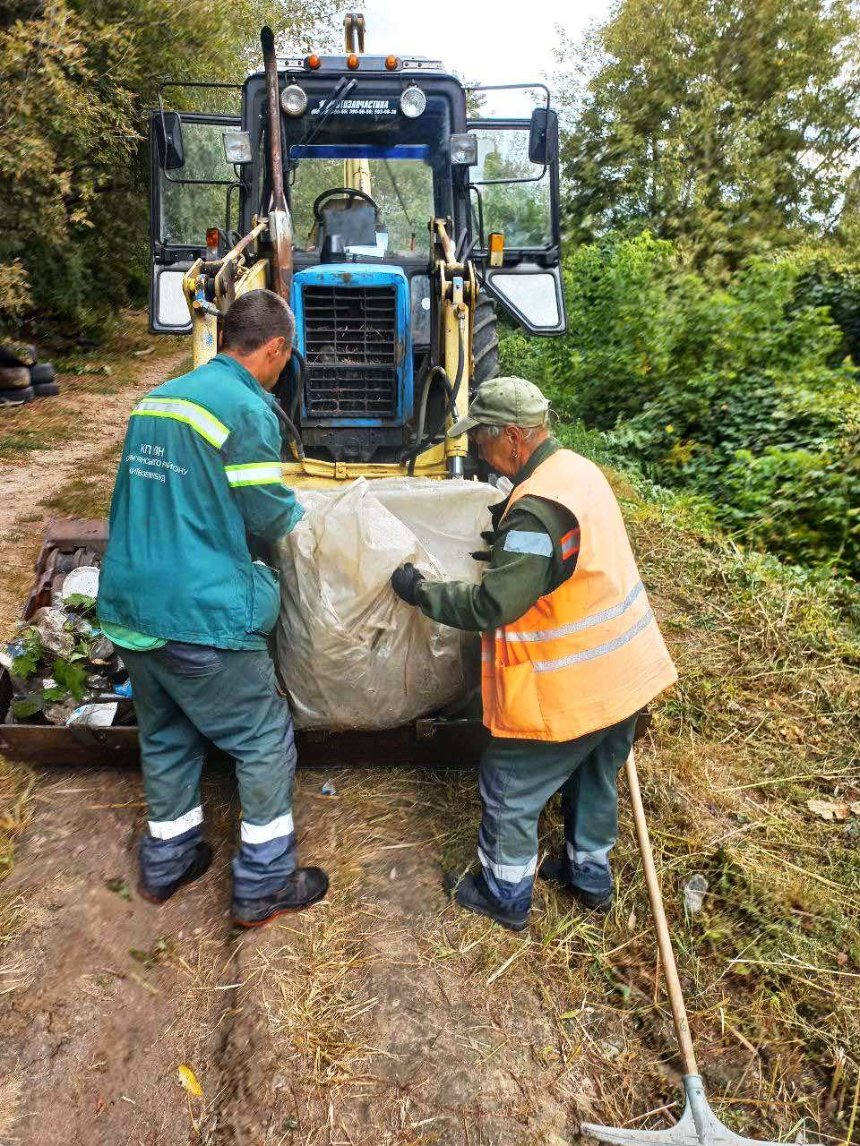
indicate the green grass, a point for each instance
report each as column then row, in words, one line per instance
column 22, row 441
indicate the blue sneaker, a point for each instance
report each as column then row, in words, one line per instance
column 589, row 882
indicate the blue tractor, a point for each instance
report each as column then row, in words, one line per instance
column 395, row 224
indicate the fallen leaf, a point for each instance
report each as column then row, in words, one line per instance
column 119, row 886
column 827, row 810
column 189, row 1081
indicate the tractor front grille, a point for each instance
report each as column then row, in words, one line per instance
column 351, row 352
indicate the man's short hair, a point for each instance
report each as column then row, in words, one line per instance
column 256, row 318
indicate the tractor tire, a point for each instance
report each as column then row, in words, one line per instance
column 14, row 377
column 16, row 397
column 485, row 341
column 17, row 354
column 46, row 389
column 42, row 374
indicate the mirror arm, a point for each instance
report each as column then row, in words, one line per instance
column 163, row 130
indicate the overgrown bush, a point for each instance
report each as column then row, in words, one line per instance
column 742, row 393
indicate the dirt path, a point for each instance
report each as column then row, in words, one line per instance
column 336, row 1026
column 384, row 1017
column 24, row 488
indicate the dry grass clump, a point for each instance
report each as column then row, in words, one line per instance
column 313, row 1003
column 11, row 1095
column 310, row 975
column 16, row 784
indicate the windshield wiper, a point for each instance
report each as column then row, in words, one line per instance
column 390, row 171
column 344, row 87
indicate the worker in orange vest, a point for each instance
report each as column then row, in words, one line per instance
column 571, row 653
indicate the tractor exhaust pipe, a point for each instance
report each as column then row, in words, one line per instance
column 280, row 221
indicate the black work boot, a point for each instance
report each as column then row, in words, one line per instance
column 472, row 893
column 305, row 886
column 162, row 892
column 589, row 882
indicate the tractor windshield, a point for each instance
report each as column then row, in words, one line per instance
column 365, row 142
column 399, row 180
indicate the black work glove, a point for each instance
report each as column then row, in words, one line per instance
column 488, row 535
column 405, row 581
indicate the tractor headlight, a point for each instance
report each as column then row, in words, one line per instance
column 294, row 100
column 464, row 149
column 412, row 102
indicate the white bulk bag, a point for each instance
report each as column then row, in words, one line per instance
column 352, row 654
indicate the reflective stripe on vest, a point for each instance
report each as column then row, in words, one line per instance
column 255, row 473
column 599, row 650
column 570, row 544
column 574, row 626
column 181, row 410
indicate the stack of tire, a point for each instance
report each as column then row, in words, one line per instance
column 22, row 376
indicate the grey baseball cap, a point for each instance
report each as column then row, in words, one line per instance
column 504, row 402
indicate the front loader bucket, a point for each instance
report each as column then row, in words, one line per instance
column 76, row 541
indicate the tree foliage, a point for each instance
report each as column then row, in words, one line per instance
column 740, row 393
column 76, row 78
column 725, row 124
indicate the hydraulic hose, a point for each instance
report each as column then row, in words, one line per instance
column 451, row 394
column 301, row 375
column 287, row 423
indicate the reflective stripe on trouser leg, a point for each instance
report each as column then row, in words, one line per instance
column 267, row 852
column 517, row 777
column 166, row 850
column 164, row 861
column 507, row 838
column 171, row 751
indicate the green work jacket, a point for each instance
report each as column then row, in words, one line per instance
column 199, row 483
column 525, row 562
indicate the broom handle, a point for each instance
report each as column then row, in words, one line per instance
column 661, row 926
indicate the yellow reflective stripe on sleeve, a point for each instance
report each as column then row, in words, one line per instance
column 255, row 473
column 181, row 410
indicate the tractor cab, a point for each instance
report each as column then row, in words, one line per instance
column 359, row 188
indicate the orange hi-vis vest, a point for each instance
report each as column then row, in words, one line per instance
column 589, row 654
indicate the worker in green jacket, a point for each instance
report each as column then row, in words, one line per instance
column 198, row 489
column 533, row 550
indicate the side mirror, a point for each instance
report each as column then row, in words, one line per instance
column 168, row 133
column 543, row 136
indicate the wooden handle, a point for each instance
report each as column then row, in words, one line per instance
column 661, row 925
